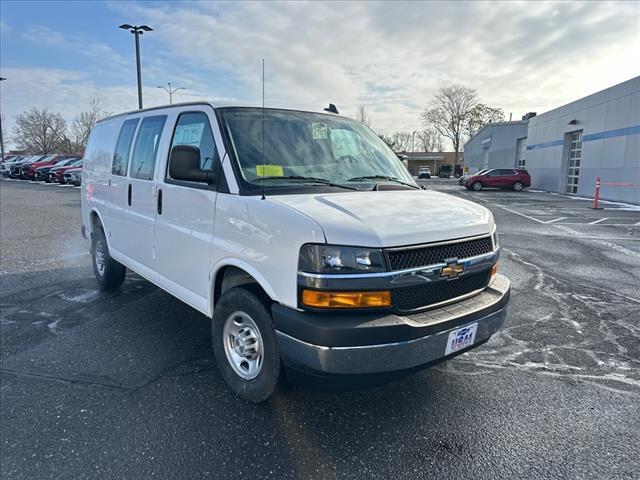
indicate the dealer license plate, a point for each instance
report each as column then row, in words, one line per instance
column 461, row 338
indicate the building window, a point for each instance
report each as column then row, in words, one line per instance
column 521, row 152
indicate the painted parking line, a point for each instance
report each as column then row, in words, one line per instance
column 555, row 220
column 598, row 221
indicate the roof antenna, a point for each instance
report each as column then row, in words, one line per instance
column 263, row 164
column 331, row 109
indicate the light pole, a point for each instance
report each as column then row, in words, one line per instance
column 2, row 79
column 170, row 91
column 413, row 139
column 137, row 31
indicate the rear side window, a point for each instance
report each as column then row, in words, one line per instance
column 99, row 151
column 193, row 129
column 143, row 161
column 123, row 147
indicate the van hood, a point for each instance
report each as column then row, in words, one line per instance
column 391, row 218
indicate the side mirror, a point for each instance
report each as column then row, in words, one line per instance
column 184, row 164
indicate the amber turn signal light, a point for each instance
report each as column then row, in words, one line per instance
column 494, row 270
column 320, row 299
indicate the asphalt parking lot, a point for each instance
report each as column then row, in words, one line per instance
column 124, row 384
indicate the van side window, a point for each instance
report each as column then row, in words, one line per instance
column 143, row 161
column 123, row 147
column 193, row 129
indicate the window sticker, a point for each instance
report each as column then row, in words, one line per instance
column 269, row 170
column 319, row 131
column 189, row 134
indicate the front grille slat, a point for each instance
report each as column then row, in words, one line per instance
column 418, row 296
column 429, row 255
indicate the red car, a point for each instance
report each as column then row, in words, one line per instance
column 510, row 178
column 28, row 171
column 56, row 174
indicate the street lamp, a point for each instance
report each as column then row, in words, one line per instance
column 2, row 79
column 137, row 31
column 170, row 91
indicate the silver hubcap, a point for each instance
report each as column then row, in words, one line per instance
column 243, row 345
column 477, row 186
column 99, row 257
column 517, row 186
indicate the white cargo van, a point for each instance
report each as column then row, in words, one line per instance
column 300, row 234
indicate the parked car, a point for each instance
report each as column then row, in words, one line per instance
column 72, row 176
column 499, row 178
column 42, row 173
column 424, row 172
column 5, row 166
column 310, row 258
column 463, row 178
column 28, row 170
column 16, row 167
column 56, row 173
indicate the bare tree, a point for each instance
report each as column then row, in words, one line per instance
column 402, row 141
column 479, row 116
column 429, row 140
column 387, row 140
column 39, row 131
column 452, row 112
column 363, row 116
column 84, row 122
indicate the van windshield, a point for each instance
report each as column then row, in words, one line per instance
column 309, row 148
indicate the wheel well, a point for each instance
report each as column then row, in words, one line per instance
column 95, row 221
column 229, row 277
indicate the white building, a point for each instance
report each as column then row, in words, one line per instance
column 596, row 136
column 497, row 145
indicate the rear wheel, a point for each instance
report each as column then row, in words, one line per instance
column 109, row 273
column 477, row 186
column 517, row 186
column 244, row 344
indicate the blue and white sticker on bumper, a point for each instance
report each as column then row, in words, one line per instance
column 461, row 338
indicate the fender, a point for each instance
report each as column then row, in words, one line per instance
column 234, row 262
column 94, row 209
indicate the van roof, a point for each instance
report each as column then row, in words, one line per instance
column 205, row 102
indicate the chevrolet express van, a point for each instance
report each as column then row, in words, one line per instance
column 301, row 235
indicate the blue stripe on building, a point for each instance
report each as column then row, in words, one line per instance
column 618, row 132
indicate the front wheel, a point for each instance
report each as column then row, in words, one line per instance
column 477, row 186
column 244, row 344
column 109, row 273
column 517, row 186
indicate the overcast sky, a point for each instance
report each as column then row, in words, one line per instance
column 389, row 57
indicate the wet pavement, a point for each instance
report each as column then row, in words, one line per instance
column 124, row 385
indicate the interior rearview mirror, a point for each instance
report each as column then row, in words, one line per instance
column 184, row 164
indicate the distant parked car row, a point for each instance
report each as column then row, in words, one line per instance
column 506, row 178
column 63, row 169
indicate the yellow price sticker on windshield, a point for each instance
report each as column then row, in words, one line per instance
column 269, row 170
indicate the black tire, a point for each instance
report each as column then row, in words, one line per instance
column 517, row 186
column 112, row 273
column 477, row 186
column 247, row 300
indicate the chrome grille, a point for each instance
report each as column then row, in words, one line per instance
column 403, row 259
column 418, row 296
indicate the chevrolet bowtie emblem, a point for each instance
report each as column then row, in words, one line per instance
column 452, row 269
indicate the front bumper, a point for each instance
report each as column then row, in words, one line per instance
column 376, row 343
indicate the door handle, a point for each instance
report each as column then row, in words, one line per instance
column 159, row 202
column 129, row 195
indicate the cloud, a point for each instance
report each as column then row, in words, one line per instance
column 390, row 57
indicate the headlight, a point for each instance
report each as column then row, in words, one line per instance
column 316, row 258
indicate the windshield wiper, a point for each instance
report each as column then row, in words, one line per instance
column 323, row 181
column 382, row 177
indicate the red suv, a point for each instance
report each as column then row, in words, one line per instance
column 499, row 178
